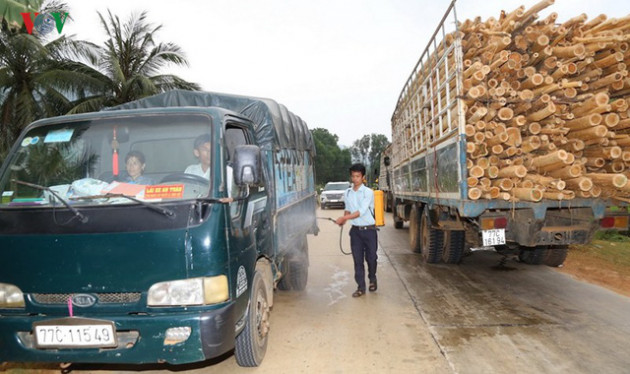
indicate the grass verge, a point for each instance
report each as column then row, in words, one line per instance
column 605, row 262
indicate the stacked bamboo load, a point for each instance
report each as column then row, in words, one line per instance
column 546, row 105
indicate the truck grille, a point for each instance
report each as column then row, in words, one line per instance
column 334, row 196
column 103, row 298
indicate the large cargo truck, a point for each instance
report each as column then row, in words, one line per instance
column 97, row 267
column 494, row 125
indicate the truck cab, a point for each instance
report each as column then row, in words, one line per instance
column 96, row 267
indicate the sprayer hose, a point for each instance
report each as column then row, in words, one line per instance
column 340, row 235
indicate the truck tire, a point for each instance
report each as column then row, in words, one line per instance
column 532, row 256
column 398, row 222
column 251, row 343
column 296, row 277
column 295, row 271
column 432, row 240
column 415, row 236
column 555, row 256
column 454, row 247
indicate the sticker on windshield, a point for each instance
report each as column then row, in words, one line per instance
column 27, row 141
column 169, row 191
column 241, row 281
column 7, row 196
column 59, row 136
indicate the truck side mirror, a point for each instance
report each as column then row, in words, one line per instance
column 247, row 165
column 387, row 161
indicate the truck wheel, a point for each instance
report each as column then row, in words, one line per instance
column 251, row 343
column 295, row 277
column 295, row 271
column 398, row 222
column 555, row 256
column 454, row 247
column 432, row 240
column 415, row 236
column 532, row 256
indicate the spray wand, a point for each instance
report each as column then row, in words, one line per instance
column 340, row 234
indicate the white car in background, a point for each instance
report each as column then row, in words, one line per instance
column 333, row 194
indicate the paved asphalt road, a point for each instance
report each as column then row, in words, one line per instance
column 467, row 318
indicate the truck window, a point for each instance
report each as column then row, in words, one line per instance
column 83, row 159
column 234, row 136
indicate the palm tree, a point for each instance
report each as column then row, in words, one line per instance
column 129, row 66
column 36, row 78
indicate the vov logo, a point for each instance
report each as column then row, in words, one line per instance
column 44, row 23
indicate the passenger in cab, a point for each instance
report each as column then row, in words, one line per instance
column 135, row 164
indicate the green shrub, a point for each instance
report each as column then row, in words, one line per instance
column 612, row 236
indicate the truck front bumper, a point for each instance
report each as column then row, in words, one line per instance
column 141, row 339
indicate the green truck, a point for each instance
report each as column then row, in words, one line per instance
column 181, row 267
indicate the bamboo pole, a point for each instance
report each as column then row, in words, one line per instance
column 554, row 157
column 512, row 171
column 528, row 194
column 474, row 193
column 590, row 133
column 616, row 180
column 581, row 183
column 607, row 153
column 571, row 171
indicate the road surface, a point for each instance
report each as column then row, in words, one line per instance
column 467, row 318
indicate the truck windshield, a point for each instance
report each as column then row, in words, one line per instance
column 151, row 158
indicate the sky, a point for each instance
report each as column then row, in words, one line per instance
column 338, row 64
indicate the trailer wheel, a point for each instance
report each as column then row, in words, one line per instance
column 454, row 247
column 555, row 256
column 398, row 222
column 295, row 270
column 432, row 240
column 251, row 343
column 532, row 256
column 415, row 236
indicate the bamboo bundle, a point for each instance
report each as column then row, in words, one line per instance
column 546, row 105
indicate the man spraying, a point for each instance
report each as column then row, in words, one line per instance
column 359, row 202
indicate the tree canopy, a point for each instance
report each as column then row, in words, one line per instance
column 130, row 65
column 40, row 78
column 36, row 77
column 367, row 151
column 331, row 162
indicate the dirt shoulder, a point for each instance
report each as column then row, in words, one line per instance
column 603, row 262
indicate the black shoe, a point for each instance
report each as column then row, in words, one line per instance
column 372, row 287
column 358, row 293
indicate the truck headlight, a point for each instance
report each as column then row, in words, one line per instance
column 195, row 291
column 11, row 296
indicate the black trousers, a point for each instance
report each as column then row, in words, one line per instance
column 364, row 244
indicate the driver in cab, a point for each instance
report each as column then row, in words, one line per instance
column 201, row 151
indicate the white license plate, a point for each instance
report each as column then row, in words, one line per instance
column 75, row 333
column 493, row 237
